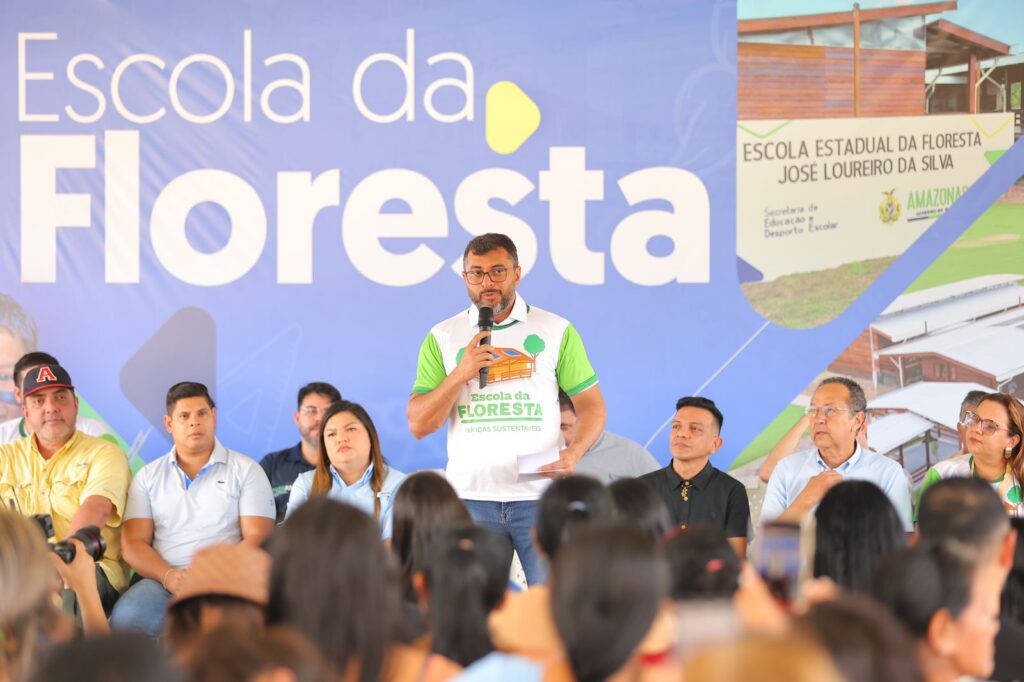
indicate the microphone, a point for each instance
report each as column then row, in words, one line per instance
column 485, row 324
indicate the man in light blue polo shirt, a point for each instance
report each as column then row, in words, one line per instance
column 801, row 480
column 198, row 494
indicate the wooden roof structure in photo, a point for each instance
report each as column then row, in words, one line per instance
column 748, row 26
column 950, row 44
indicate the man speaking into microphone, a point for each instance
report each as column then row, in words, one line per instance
column 494, row 377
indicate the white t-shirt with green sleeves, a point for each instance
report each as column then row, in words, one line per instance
column 517, row 412
column 962, row 466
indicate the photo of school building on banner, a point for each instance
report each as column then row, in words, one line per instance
column 856, row 130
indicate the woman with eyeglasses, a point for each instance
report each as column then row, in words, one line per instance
column 352, row 468
column 993, row 450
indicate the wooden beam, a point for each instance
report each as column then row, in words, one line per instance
column 965, row 35
column 789, row 23
column 856, row 59
column 907, row 11
column 836, row 18
column 972, row 85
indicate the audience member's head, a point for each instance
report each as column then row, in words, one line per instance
column 425, row 507
column 17, row 337
column 950, row 609
column 793, row 658
column 967, row 513
column 968, row 404
column 567, row 505
column 313, row 401
column 465, row 579
column 856, row 526
column 971, row 401
column 277, row 654
column 568, row 417
column 225, row 586
column 703, row 564
column 1013, row 591
column 994, row 433
column 50, row 405
column 24, row 364
column 119, row 657
column 185, row 390
column 866, row 642
column 28, row 617
column 637, row 503
column 838, row 412
column 608, row 583
column 351, row 614
column 349, row 444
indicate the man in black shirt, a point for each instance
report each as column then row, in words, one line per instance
column 284, row 466
column 695, row 491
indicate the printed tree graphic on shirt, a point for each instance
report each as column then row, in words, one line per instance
column 533, row 345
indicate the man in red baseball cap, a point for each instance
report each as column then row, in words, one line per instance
column 78, row 479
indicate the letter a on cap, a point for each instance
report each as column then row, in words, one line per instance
column 45, row 375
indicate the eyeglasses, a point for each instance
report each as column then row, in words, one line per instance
column 498, row 274
column 987, row 426
column 827, row 410
column 312, row 410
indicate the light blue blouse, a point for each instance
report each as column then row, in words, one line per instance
column 359, row 494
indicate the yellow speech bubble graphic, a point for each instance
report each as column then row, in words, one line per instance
column 512, row 117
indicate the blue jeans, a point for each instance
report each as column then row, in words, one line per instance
column 141, row 608
column 514, row 520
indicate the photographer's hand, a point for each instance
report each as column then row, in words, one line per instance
column 80, row 577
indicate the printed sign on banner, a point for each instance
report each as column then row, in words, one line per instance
column 816, row 194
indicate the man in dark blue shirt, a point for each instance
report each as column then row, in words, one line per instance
column 284, row 466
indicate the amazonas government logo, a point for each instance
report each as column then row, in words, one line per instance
column 890, row 209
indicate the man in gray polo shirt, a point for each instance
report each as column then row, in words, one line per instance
column 611, row 457
column 198, row 494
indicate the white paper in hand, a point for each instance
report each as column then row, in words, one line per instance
column 529, row 465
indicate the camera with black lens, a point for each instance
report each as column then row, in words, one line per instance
column 89, row 536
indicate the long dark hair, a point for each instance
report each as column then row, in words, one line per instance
column 636, row 502
column 566, row 506
column 184, row 620
column 866, row 642
column 1012, row 601
column 332, row 580
column 919, row 582
column 467, row 577
column 322, row 476
column 116, row 657
column 704, row 565
column 425, row 506
column 856, row 526
column 608, row 584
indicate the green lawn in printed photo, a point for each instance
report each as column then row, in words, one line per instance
column 993, row 245
column 810, row 299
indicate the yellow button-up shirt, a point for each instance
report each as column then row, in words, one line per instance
column 85, row 466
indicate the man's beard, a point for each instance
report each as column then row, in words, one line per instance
column 503, row 304
column 312, row 440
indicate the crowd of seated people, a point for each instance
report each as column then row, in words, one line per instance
column 326, row 563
